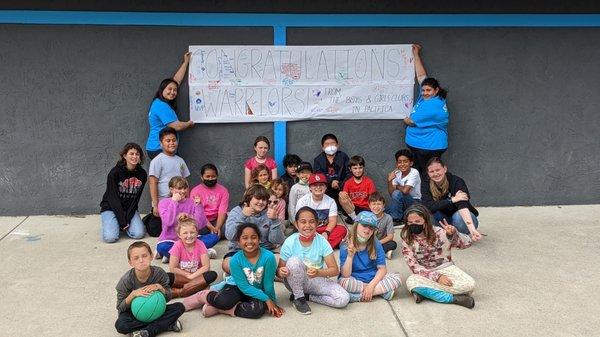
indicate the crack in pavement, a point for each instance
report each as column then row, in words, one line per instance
column 19, row 224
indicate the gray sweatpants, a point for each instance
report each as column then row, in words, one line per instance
column 322, row 290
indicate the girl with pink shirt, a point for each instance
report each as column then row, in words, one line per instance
column 214, row 198
column 189, row 263
column 170, row 208
column 278, row 194
column 261, row 147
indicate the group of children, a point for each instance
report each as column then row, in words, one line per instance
column 295, row 216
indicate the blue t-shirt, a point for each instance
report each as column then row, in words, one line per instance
column 363, row 268
column 254, row 280
column 431, row 124
column 313, row 256
column 159, row 116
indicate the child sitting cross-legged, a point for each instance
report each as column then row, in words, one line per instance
column 362, row 259
column 250, row 290
column 189, row 262
column 142, row 280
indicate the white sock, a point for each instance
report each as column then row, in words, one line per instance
column 352, row 215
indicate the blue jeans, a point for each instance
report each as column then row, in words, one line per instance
column 111, row 229
column 456, row 220
column 209, row 240
column 399, row 202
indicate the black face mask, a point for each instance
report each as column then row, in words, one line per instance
column 210, row 183
column 415, row 229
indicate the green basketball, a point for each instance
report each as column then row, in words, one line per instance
column 147, row 309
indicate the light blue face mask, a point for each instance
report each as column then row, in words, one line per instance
column 361, row 239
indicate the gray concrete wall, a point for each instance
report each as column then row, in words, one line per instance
column 523, row 106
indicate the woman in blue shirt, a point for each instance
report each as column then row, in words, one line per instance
column 427, row 125
column 163, row 109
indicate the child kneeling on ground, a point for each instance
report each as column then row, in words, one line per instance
column 142, row 280
column 362, row 258
column 427, row 252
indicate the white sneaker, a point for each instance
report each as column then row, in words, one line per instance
column 389, row 254
column 212, row 253
column 165, row 259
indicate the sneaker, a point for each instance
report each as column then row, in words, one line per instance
column 388, row 295
column 464, row 301
column 212, row 253
column 176, row 327
column 389, row 254
column 140, row 333
column 418, row 298
column 301, row 305
column 165, row 259
column 157, row 256
column 292, row 297
column 398, row 223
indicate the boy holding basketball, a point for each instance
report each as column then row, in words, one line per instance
column 142, row 280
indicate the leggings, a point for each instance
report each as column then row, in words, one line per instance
column 462, row 283
column 391, row 281
column 230, row 295
column 322, row 290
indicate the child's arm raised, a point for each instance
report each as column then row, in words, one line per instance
column 168, row 212
column 346, row 258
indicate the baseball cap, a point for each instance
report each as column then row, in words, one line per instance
column 367, row 218
column 317, row 178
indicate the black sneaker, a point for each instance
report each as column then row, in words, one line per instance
column 464, row 301
column 140, row 333
column 398, row 223
column 302, row 306
column 292, row 297
column 176, row 327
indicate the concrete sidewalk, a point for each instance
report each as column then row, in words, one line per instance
column 536, row 272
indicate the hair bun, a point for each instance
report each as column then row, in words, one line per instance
column 183, row 217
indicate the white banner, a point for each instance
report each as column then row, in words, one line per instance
column 284, row 83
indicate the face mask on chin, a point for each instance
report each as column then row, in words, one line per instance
column 330, row 150
column 361, row 239
column 306, row 238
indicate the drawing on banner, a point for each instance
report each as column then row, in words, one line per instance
column 277, row 83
